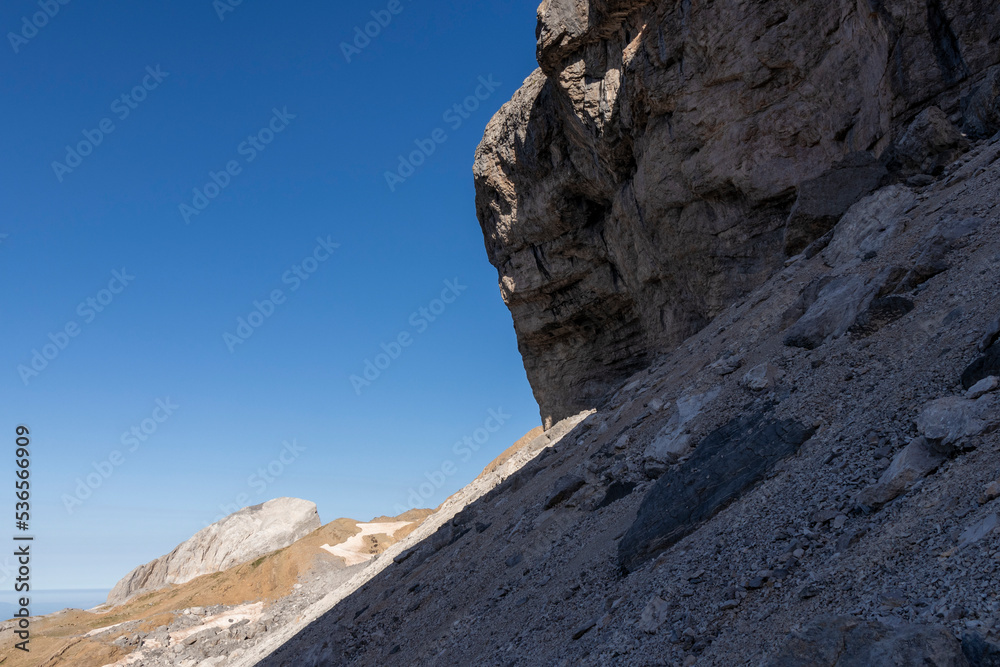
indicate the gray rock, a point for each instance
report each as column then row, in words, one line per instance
column 822, row 201
column 869, row 225
column 913, row 462
column 983, row 387
column 837, row 307
column 564, row 488
column 642, row 179
column 979, row 530
column 724, row 465
column 982, row 108
column 760, row 377
column 654, row 615
column 845, row 641
column 929, row 144
column 982, row 368
column 239, row 538
column 947, row 421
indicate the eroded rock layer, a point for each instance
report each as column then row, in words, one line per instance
column 669, row 155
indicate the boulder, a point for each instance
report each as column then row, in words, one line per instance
column 880, row 312
column 239, row 538
column 947, row 421
column 837, row 307
column 930, row 143
column 918, row 459
column 725, row 464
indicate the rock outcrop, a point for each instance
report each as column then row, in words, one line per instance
column 240, row 537
column 744, row 501
column 669, row 156
column 729, row 461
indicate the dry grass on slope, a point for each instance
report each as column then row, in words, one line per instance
column 59, row 639
column 511, row 451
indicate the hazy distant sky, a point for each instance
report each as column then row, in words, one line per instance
column 115, row 113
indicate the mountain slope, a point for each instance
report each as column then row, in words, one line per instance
column 273, row 586
column 880, row 514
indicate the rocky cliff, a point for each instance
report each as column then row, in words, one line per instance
column 811, row 479
column 669, row 156
column 241, row 537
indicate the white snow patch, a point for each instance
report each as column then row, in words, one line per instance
column 352, row 549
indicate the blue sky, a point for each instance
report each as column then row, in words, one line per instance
column 257, row 122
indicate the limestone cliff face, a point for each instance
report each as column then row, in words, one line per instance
column 644, row 178
column 240, row 537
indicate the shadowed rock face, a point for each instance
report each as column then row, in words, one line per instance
column 845, row 641
column 642, row 179
column 727, row 462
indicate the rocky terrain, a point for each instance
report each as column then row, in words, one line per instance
column 269, row 564
column 669, row 156
column 811, row 479
column 751, row 250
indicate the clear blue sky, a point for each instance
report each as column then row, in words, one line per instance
column 156, row 332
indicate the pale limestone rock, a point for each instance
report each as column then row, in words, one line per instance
column 239, row 538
